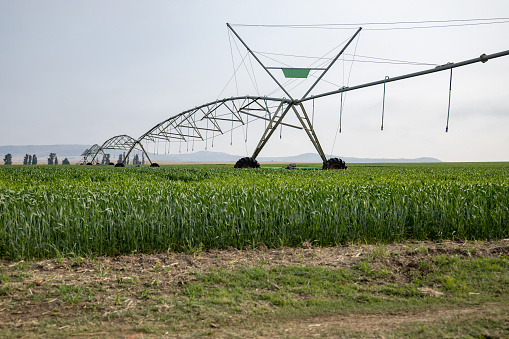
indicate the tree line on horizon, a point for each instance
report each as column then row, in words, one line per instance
column 32, row 159
column 53, row 159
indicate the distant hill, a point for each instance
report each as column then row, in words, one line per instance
column 315, row 158
column 302, row 158
column 73, row 153
column 197, row 156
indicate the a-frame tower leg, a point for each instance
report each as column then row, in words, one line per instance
column 293, row 104
column 277, row 120
column 271, row 127
column 152, row 164
column 308, row 127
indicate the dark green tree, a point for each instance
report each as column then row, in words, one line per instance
column 51, row 159
column 34, row 159
column 65, row 162
column 8, row 159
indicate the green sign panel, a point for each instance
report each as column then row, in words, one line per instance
column 296, row 72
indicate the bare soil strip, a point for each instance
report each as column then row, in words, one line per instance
column 29, row 298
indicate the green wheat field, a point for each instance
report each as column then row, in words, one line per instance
column 48, row 211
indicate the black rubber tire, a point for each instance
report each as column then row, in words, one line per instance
column 111, row 164
column 334, row 163
column 89, row 163
column 247, row 162
column 119, row 165
column 154, row 164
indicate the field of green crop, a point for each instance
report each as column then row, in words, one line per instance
column 48, row 211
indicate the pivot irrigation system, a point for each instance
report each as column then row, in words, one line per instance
column 204, row 123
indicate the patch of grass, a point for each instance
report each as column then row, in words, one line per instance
column 263, row 298
column 3, row 276
column 73, row 294
column 484, row 323
column 319, row 290
column 461, row 276
column 380, row 251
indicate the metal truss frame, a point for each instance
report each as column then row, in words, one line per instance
column 118, row 142
column 205, row 122
column 196, row 123
column 92, row 151
column 221, row 116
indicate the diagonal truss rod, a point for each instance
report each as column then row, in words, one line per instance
column 271, row 128
column 332, row 63
column 278, row 120
column 267, row 119
column 258, row 60
column 308, row 127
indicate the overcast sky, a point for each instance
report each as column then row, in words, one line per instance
column 80, row 72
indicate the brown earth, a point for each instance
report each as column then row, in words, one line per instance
column 21, row 307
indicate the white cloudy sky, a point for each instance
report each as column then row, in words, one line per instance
column 80, row 72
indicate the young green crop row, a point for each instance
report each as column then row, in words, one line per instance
column 47, row 211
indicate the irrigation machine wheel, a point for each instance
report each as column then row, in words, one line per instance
column 247, row 162
column 119, row 165
column 154, row 164
column 333, row 164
